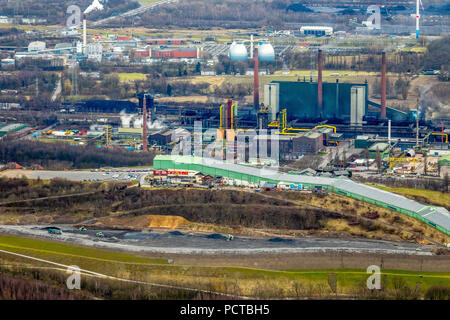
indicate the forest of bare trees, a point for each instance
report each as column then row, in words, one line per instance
column 54, row 11
column 59, row 156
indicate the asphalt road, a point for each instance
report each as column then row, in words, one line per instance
column 116, row 175
column 176, row 242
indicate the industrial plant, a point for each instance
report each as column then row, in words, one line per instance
column 223, row 149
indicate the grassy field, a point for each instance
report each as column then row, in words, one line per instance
column 228, row 279
column 125, row 77
column 147, row 2
column 40, row 247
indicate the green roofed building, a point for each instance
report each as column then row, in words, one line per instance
column 437, row 217
column 445, row 160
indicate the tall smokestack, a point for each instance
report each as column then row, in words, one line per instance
column 229, row 113
column 144, row 124
column 256, row 80
column 389, row 131
column 251, row 46
column 417, row 18
column 84, row 33
column 383, row 85
column 319, row 82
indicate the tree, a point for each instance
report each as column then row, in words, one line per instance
column 425, row 163
column 378, row 160
column 67, row 87
column 402, row 87
column 332, row 282
column 445, row 182
column 366, row 155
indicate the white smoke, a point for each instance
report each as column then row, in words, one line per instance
column 95, row 5
column 136, row 121
column 156, row 125
column 125, row 119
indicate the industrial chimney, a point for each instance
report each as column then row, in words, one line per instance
column 319, row 82
column 84, row 34
column 256, row 80
column 144, row 124
column 383, row 85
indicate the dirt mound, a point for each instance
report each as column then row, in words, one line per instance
column 171, row 222
column 132, row 223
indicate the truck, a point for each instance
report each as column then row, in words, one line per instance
column 54, row 231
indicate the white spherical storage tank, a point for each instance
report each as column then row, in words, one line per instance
column 238, row 52
column 266, row 52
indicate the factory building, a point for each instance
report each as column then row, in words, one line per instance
column 63, row 48
column 341, row 102
column 381, row 147
column 165, row 136
column 176, row 53
column 316, row 31
column 140, row 54
column 307, row 143
column 8, row 64
column 166, row 42
column 436, row 217
column 94, row 51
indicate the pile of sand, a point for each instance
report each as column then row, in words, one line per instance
column 142, row 222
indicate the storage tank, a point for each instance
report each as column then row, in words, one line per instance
column 238, row 52
column 266, row 52
column 36, row 46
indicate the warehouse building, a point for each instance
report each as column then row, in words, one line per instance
column 381, row 147
column 166, row 42
column 175, row 53
column 437, row 217
column 316, row 31
column 308, row 143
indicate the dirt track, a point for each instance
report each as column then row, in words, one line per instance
column 176, row 242
column 316, row 261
